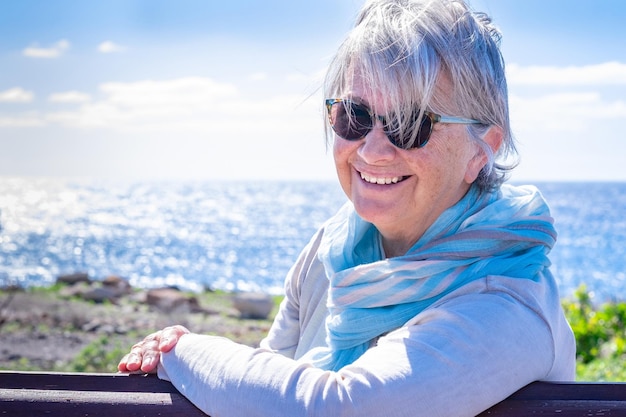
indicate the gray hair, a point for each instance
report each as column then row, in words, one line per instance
column 400, row 48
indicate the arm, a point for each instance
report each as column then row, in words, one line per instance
column 299, row 324
column 456, row 359
column 284, row 336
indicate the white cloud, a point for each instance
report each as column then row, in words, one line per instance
column 258, row 76
column 54, row 51
column 69, row 97
column 564, row 112
column 108, row 47
column 191, row 106
column 568, row 110
column 29, row 119
column 578, row 98
column 196, row 126
column 608, row 73
column 16, row 95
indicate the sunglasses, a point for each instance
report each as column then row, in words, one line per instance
column 352, row 121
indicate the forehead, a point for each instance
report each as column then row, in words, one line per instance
column 384, row 96
column 362, row 92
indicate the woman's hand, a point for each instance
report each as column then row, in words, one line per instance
column 144, row 356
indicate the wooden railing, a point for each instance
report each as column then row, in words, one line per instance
column 68, row 395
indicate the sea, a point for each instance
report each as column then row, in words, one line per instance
column 245, row 235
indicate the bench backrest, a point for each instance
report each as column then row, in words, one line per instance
column 69, row 395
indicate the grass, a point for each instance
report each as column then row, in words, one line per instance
column 599, row 330
column 42, row 313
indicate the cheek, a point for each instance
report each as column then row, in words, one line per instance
column 448, row 158
column 341, row 156
column 342, row 151
column 337, row 152
column 336, row 147
column 429, row 160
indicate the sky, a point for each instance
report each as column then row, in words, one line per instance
column 230, row 90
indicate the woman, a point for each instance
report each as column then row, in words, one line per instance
column 429, row 293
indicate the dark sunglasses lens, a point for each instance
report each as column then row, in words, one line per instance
column 393, row 132
column 426, row 127
column 353, row 121
column 350, row 121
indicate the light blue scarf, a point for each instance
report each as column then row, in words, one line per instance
column 508, row 233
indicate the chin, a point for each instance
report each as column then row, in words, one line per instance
column 374, row 211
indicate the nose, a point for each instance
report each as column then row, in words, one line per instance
column 376, row 146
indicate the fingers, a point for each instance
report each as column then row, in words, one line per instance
column 123, row 365
column 134, row 363
column 170, row 336
column 145, row 355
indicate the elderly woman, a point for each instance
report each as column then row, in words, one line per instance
column 428, row 293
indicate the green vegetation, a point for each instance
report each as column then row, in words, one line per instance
column 65, row 333
column 600, row 331
column 600, row 341
column 101, row 355
column 600, row 337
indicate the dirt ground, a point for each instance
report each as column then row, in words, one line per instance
column 42, row 330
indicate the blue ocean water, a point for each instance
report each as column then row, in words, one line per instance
column 244, row 236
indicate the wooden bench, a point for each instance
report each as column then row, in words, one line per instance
column 69, row 395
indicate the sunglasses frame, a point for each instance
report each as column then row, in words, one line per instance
column 433, row 118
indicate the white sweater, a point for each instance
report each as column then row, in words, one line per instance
column 460, row 356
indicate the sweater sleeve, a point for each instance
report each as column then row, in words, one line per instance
column 299, row 323
column 458, row 358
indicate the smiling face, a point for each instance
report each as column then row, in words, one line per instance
column 402, row 192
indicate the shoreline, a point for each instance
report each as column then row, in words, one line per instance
column 49, row 329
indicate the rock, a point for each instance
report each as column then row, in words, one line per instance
column 94, row 291
column 75, row 278
column 79, row 285
column 169, row 299
column 99, row 294
column 253, row 305
column 74, row 290
column 91, row 326
column 117, row 284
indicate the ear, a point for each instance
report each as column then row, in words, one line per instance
column 493, row 138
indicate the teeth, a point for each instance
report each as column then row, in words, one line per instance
column 381, row 180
